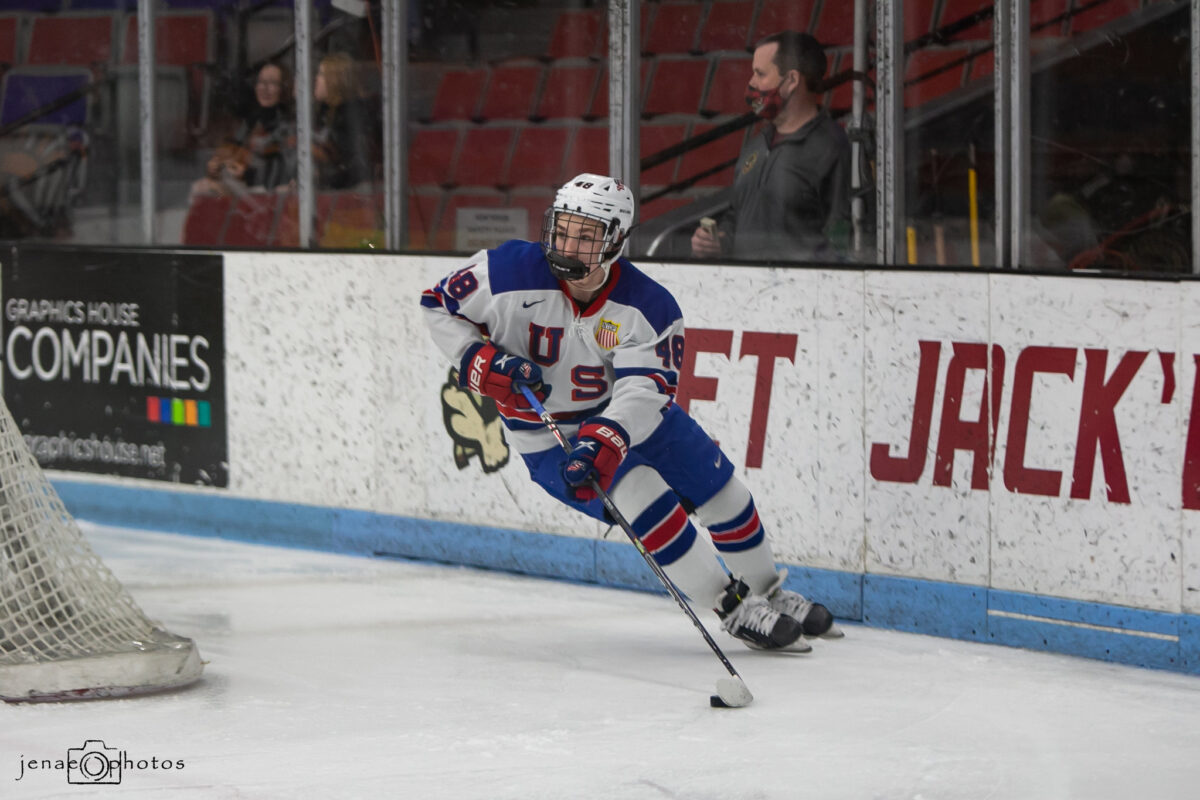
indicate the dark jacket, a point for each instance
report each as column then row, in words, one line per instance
column 791, row 202
column 342, row 145
column 268, row 135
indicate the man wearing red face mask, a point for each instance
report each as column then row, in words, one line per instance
column 791, row 195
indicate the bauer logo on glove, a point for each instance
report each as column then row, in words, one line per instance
column 489, row 371
column 601, row 448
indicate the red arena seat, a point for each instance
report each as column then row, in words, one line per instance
column 1048, row 17
column 179, row 39
column 588, row 152
column 77, row 39
column 252, row 220
column 483, row 157
column 933, row 73
column 982, row 66
column 918, row 18
column 569, row 92
column 576, row 35
column 956, row 10
column 784, row 15
column 458, row 94
column 673, row 29
column 511, row 92
column 841, row 96
column 422, row 219
column 709, row 156
column 535, row 206
column 662, row 205
column 9, row 24
column 727, row 26
column 538, row 157
column 660, row 137
column 287, row 231
column 431, row 157
column 676, row 87
column 727, row 91
column 206, row 220
column 835, row 24
column 600, row 102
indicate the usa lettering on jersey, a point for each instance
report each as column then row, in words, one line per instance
column 634, row 340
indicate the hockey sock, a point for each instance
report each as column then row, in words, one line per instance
column 668, row 535
column 732, row 521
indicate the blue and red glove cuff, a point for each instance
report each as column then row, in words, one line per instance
column 486, row 370
column 475, row 364
column 609, row 433
column 601, row 447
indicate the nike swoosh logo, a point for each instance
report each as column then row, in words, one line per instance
column 534, row 303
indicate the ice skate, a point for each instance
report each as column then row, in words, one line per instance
column 749, row 618
column 814, row 617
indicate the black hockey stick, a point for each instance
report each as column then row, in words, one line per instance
column 732, row 691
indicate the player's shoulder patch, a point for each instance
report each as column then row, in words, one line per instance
column 519, row 266
column 638, row 290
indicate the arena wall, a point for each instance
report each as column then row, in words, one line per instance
column 983, row 455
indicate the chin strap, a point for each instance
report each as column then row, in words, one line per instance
column 565, row 267
column 572, row 269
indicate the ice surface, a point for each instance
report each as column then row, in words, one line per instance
column 342, row 677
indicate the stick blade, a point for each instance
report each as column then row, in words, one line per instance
column 733, row 693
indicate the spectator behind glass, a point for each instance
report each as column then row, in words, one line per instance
column 342, row 133
column 261, row 152
column 791, row 195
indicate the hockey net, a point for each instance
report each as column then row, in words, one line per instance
column 68, row 629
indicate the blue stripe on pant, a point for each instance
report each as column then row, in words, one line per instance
column 679, row 450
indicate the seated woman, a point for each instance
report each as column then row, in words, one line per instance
column 343, row 145
column 261, row 152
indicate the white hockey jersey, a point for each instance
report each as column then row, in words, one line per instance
column 619, row 358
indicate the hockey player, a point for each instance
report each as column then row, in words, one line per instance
column 601, row 345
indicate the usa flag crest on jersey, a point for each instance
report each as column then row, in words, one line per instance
column 606, row 334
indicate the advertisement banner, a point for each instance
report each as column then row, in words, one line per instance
column 114, row 361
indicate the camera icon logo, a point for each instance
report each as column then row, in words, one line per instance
column 93, row 762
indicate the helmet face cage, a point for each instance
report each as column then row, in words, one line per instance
column 590, row 245
column 586, row 199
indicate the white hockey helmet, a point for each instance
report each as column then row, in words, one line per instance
column 597, row 198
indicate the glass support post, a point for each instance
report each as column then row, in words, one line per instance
column 624, row 103
column 304, row 124
column 889, row 142
column 148, row 140
column 395, row 124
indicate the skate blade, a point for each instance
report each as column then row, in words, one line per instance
column 834, row 632
column 798, row 646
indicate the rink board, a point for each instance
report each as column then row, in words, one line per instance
column 1108, row 632
column 924, row 446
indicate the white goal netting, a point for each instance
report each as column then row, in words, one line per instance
column 68, row 629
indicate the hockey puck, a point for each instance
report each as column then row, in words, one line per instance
column 716, row 702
